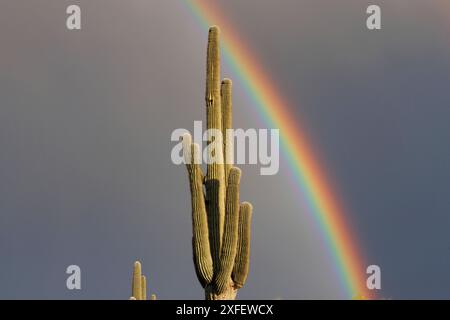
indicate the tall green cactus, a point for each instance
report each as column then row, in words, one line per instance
column 221, row 225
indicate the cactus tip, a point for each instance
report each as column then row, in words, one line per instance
column 227, row 81
column 247, row 205
column 235, row 175
column 186, row 137
column 214, row 29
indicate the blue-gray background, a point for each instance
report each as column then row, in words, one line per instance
column 85, row 124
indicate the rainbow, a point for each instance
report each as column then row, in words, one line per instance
column 305, row 168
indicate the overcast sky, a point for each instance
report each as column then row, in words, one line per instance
column 85, row 124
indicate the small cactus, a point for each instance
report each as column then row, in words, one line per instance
column 139, row 284
column 221, row 224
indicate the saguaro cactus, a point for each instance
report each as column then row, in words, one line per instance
column 139, row 284
column 221, row 225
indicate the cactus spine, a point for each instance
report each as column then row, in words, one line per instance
column 139, row 284
column 221, row 225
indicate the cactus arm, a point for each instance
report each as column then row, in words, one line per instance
column 143, row 288
column 227, row 118
column 200, row 239
column 230, row 234
column 242, row 262
column 137, row 281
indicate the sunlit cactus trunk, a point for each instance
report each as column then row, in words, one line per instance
column 221, row 224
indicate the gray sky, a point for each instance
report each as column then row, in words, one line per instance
column 85, row 124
